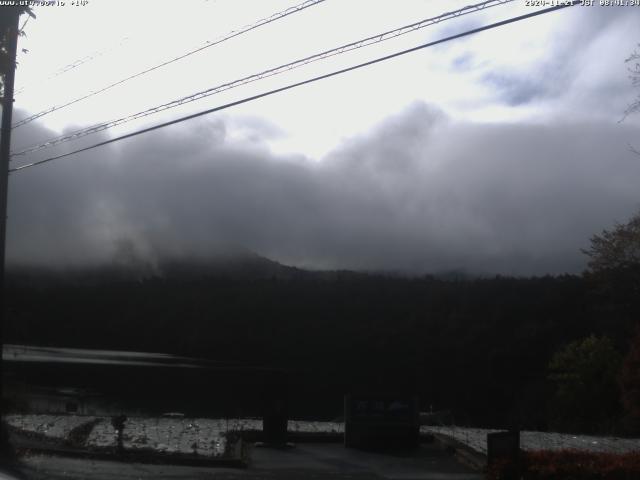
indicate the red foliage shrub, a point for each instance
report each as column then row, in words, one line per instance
column 571, row 465
column 503, row 470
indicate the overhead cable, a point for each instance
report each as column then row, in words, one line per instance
column 77, row 63
column 381, row 37
column 230, row 35
column 298, row 84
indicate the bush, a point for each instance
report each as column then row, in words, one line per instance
column 584, row 373
column 629, row 378
column 570, row 465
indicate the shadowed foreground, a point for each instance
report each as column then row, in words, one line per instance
column 312, row 461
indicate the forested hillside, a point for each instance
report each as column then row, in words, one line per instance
column 481, row 347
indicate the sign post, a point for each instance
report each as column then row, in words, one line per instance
column 381, row 421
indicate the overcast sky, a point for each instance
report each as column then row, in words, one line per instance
column 501, row 152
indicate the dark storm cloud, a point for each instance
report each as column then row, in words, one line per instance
column 418, row 194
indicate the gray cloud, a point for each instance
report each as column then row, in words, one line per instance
column 584, row 42
column 516, row 89
column 420, row 193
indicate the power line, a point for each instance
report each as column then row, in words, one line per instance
column 570, row 3
column 230, row 35
column 86, row 59
column 265, row 74
column 77, row 63
column 24, row 24
column 381, row 37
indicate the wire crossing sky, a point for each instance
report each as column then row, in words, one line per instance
column 495, row 153
column 230, row 35
column 288, row 87
column 371, row 40
column 79, row 62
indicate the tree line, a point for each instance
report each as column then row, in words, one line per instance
column 496, row 351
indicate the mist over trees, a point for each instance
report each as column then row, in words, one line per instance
column 478, row 346
column 497, row 351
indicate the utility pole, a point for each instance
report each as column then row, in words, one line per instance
column 9, row 23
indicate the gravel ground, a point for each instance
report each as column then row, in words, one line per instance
column 476, row 438
column 206, row 436
column 51, row 426
column 201, row 436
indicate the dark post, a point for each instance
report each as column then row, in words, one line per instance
column 9, row 17
column 117, row 423
column 275, row 410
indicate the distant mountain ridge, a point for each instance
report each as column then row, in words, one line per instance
column 246, row 266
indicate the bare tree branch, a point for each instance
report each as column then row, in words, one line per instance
column 634, row 75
